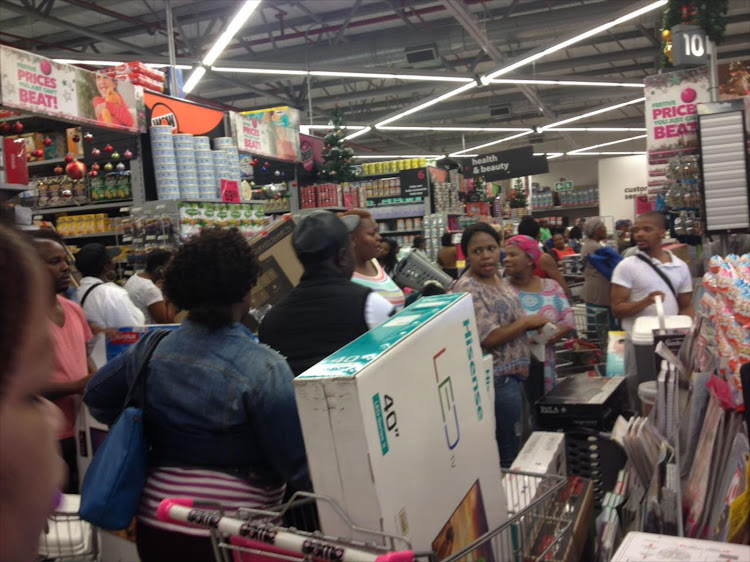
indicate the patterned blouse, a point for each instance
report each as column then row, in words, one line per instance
column 495, row 307
column 551, row 302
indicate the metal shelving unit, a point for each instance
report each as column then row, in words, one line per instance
column 108, row 234
column 83, row 208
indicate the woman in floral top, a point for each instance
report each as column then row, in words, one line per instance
column 502, row 327
column 538, row 296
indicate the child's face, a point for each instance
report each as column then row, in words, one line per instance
column 103, row 83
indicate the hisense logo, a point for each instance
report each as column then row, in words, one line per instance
column 469, row 340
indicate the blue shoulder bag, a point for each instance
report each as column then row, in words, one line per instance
column 114, row 481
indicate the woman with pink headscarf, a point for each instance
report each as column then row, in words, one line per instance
column 538, row 296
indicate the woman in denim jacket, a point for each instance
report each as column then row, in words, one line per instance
column 220, row 412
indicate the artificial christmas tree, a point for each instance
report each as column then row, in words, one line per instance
column 337, row 158
column 518, row 195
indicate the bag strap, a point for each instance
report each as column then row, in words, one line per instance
column 86, row 294
column 140, row 378
column 661, row 274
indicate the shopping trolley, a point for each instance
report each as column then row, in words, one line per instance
column 253, row 535
column 414, row 271
column 68, row 537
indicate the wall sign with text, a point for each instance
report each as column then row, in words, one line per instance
column 689, row 46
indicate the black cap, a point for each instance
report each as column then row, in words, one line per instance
column 91, row 259
column 321, row 234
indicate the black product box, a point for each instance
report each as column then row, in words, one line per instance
column 583, row 402
column 573, row 506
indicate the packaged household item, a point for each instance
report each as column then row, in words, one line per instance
column 543, row 453
column 673, row 328
column 280, row 270
column 399, row 428
column 647, row 547
column 581, row 401
column 165, row 162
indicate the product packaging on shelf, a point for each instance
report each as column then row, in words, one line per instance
column 280, row 270
column 414, row 455
column 590, row 402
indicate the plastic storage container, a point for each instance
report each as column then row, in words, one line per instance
column 643, row 341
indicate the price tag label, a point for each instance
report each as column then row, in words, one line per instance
column 230, row 191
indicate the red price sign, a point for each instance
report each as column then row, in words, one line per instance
column 230, row 191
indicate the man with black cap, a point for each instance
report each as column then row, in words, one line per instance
column 104, row 302
column 326, row 310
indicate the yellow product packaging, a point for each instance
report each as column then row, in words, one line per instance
column 101, row 222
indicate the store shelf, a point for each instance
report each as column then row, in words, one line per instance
column 332, row 209
column 82, row 208
column 405, row 231
column 278, row 211
column 13, row 187
column 393, row 175
column 91, row 235
column 560, row 208
column 45, row 162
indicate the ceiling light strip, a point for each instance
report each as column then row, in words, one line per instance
column 565, row 83
column 358, row 133
column 428, row 103
column 588, row 148
column 599, row 129
column 576, row 39
column 239, row 19
column 457, row 129
column 606, row 153
column 493, row 143
column 388, row 156
column 592, row 113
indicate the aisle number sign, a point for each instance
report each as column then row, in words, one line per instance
column 42, row 86
column 689, row 45
column 564, row 186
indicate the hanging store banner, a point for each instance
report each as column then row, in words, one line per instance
column 42, row 86
column 272, row 133
column 183, row 116
column 671, row 111
column 504, row 165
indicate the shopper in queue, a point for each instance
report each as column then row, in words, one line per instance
column 104, row 302
column 598, row 264
column 326, row 310
column 547, row 266
column 143, row 289
column 502, row 327
column 388, row 256
column 72, row 366
column 652, row 272
column 539, row 296
column 448, row 255
column 367, row 271
column 31, row 468
column 220, row 413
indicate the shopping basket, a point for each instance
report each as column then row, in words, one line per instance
column 414, row 271
column 253, row 535
column 66, row 536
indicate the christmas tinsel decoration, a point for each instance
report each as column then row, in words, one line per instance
column 337, row 159
column 707, row 14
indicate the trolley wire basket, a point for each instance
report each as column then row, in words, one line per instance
column 414, row 271
column 253, row 535
column 66, row 536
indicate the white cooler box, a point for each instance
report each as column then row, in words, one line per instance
column 399, row 428
column 643, row 342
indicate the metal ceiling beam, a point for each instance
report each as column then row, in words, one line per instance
column 82, row 30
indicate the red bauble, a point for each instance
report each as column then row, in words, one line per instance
column 58, row 170
column 69, row 157
column 96, row 153
column 93, row 173
column 47, row 141
column 76, row 138
column 38, row 153
column 95, row 166
column 5, row 128
column 88, row 137
column 18, row 127
column 267, row 165
column 127, row 154
column 109, row 148
column 76, row 169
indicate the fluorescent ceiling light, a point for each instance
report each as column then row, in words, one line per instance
column 592, row 113
column 160, row 65
column 90, row 62
column 587, row 148
column 345, row 127
column 231, row 30
column 358, row 133
column 564, row 83
column 460, row 129
column 388, row 156
column 550, row 155
column 434, row 78
column 576, row 39
column 485, row 145
column 428, row 103
column 605, row 153
column 195, row 77
column 599, row 129
column 260, row 71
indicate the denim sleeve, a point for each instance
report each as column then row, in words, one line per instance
column 274, row 412
column 106, row 391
